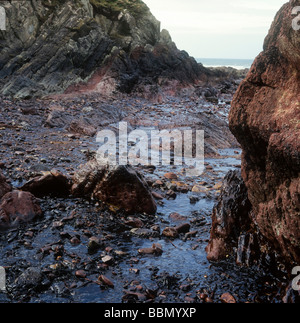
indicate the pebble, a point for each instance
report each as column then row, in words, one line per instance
column 94, row 244
column 108, row 260
column 157, row 196
column 171, row 176
column 103, row 279
column 170, row 232
column 155, row 249
column 183, row 228
column 227, row 298
column 177, row 217
column 80, row 274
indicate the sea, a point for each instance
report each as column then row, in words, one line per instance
column 238, row 64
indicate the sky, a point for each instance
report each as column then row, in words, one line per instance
column 218, row 28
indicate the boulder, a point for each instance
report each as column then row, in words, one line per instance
column 118, row 186
column 50, row 183
column 265, row 118
column 18, row 207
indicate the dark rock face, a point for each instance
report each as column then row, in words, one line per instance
column 118, row 186
column 265, row 119
column 4, row 186
column 51, row 47
column 51, row 183
column 18, row 207
column 231, row 217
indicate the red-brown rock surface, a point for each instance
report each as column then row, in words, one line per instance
column 53, row 182
column 17, row 207
column 265, row 118
column 120, row 187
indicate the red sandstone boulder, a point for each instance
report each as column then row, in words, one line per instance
column 18, row 207
column 118, row 186
column 265, row 118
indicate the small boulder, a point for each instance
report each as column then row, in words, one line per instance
column 18, row 207
column 170, row 232
column 53, row 182
column 120, row 186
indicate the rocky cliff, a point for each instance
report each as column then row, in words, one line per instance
column 57, row 46
column 265, row 118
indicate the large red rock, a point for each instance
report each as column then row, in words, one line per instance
column 265, row 119
column 4, row 186
column 18, row 207
column 118, row 186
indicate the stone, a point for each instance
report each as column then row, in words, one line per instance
column 50, row 183
column 157, row 196
column 265, row 120
column 156, row 249
column 183, row 228
column 171, row 176
column 94, row 244
column 120, row 186
column 80, row 274
column 199, row 189
column 227, row 298
column 177, row 217
column 134, row 222
column 108, row 260
column 104, row 280
column 30, row 278
column 18, row 207
column 170, row 232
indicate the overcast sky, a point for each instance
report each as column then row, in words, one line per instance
column 218, row 28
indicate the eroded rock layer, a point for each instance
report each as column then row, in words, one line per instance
column 52, row 47
column 265, row 119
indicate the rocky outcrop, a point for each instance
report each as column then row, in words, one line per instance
column 18, row 207
column 53, row 47
column 120, row 187
column 265, row 118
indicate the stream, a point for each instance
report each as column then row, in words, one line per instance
column 48, row 260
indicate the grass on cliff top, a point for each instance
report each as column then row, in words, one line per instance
column 135, row 7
